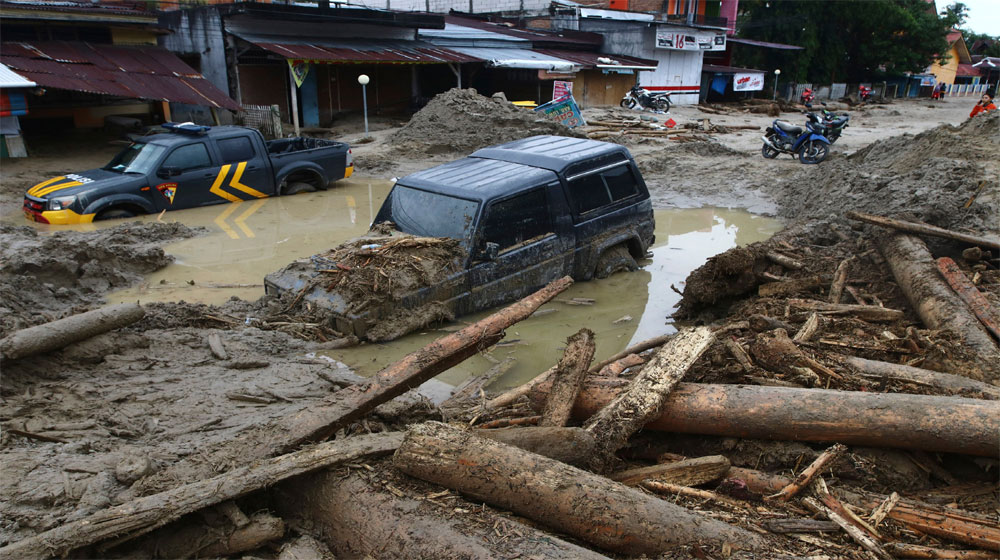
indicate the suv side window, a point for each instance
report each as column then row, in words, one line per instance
column 236, row 149
column 517, row 219
column 191, row 156
column 602, row 188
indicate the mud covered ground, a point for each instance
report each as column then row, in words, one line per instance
column 106, row 419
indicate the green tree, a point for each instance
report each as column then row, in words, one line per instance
column 991, row 48
column 843, row 41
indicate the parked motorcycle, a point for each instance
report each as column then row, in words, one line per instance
column 809, row 143
column 807, row 97
column 832, row 124
column 864, row 94
column 646, row 99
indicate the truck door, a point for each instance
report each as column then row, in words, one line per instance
column 528, row 252
column 249, row 177
column 186, row 176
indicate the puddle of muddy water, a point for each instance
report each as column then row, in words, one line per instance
column 248, row 240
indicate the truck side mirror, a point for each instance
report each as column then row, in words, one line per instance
column 489, row 251
column 167, row 172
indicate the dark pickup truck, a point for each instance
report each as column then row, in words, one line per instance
column 185, row 167
column 527, row 213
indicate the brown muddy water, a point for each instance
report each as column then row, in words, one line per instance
column 250, row 239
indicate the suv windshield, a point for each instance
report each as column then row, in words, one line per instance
column 428, row 214
column 137, row 158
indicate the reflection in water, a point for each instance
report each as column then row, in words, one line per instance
column 248, row 240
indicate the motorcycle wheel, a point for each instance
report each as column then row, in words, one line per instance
column 662, row 104
column 628, row 103
column 813, row 151
column 768, row 152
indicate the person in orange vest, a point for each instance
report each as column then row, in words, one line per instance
column 985, row 105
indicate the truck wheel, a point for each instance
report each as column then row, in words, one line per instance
column 296, row 188
column 114, row 214
column 615, row 259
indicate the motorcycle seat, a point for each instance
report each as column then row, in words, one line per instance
column 788, row 127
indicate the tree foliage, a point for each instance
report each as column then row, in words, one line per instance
column 843, row 41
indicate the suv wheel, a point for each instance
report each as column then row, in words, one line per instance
column 614, row 259
column 296, row 188
column 114, row 214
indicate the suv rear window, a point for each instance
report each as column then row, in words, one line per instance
column 592, row 191
column 517, row 219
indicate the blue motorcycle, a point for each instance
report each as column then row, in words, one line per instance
column 808, row 143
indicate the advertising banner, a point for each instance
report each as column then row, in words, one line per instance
column 299, row 70
column 561, row 89
column 667, row 38
column 564, row 110
column 747, row 81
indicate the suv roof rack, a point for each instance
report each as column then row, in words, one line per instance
column 186, row 128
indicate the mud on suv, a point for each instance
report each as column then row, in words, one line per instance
column 525, row 213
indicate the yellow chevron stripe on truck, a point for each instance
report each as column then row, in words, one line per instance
column 43, row 184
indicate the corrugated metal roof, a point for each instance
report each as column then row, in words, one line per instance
column 11, row 79
column 135, row 72
column 729, row 69
column 355, row 50
column 518, row 58
column 765, row 44
column 967, row 70
column 536, row 36
column 588, row 60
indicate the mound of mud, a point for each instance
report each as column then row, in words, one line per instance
column 928, row 176
column 462, row 121
column 45, row 277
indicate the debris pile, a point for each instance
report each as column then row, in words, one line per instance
column 462, row 121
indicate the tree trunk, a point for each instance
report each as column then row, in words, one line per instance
column 839, row 280
column 143, row 514
column 63, row 332
column 929, row 423
column 590, row 507
column 925, row 229
column 934, row 301
column 572, row 446
column 634, row 349
column 570, row 371
column 936, row 379
column 687, row 472
column 196, row 539
column 967, row 292
column 866, row 312
column 631, row 409
column 359, row 518
column 347, row 405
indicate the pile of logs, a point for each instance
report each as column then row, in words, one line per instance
column 689, row 132
column 551, row 450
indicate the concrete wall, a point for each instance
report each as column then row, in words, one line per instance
column 198, row 33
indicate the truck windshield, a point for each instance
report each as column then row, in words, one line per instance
column 428, row 214
column 137, row 158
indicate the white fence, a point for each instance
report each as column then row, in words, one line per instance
column 963, row 90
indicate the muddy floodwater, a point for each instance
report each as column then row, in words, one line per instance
column 250, row 239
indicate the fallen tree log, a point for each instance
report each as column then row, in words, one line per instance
column 934, row 301
column 572, row 446
column 967, row 291
column 616, row 368
column 686, row 472
column 318, row 422
column 788, row 287
column 634, row 349
column 63, row 332
column 199, row 540
column 925, row 229
column 929, row 423
column 642, row 401
column 362, row 519
column 590, row 507
column 902, row 550
column 778, row 353
column 144, row 514
column 806, row 477
column 566, row 380
column 866, row 312
column 936, row 379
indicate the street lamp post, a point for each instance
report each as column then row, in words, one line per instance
column 774, row 94
column 363, row 80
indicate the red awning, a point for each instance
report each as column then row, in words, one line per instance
column 144, row 72
column 967, row 70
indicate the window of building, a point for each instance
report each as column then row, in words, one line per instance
column 236, row 149
column 192, row 156
column 517, row 219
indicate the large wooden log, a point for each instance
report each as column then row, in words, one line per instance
column 572, row 446
column 143, row 514
column 866, row 312
column 196, row 539
column 687, row 472
column 63, row 332
column 929, row 423
column 934, row 301
column 318, row 422
column 642, row 401
column 925, row 229
column 936, row 379
column 358, row 518
column 570, row 371
column 592, row 508
column 967, row 291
